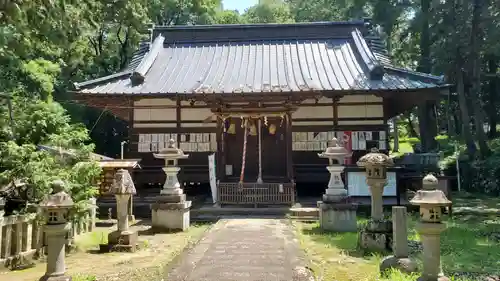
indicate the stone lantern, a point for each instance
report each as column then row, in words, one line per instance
column 171, row 155
column 56, row 209
column 431, row 200
column 377, row 235
column 171, row 210
column 335, row 213
column 335, row 155
column 123, row 188
column 376, row 164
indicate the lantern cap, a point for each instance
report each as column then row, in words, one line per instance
column 375, row 158
column 171, row 152
column 335, row 150
column 122, row 183
column 59, row 198
column 430, row 198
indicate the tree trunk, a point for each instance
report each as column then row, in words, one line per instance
column 476, row 34
column 412, row 133
column 426, row 117
column 492, row 105
column 464, row 110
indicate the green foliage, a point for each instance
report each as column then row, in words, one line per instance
column 46, row 123
column 269, row 12
column 229, row 17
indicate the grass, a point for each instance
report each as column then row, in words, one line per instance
column 470, row 248
column 148, row 263
column 404, row 147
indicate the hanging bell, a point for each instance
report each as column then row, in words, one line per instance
column 232, row 129
column 272, row 129
column 253, row 129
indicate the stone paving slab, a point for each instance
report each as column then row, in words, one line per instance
column 241, row 250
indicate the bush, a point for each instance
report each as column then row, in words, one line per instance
column 477, row 175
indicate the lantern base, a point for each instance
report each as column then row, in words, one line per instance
column 123, row 241
column 376, row 236
column 340, row 217
column 405, row 265
column 171, row 216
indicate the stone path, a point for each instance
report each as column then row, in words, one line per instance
column 241, row 250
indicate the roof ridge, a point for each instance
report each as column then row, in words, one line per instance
column 440, row 80
column 376, row 71
column 117, row 75
column 259, row 25
column 139, row 73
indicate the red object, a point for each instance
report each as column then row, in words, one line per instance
column 347, row 139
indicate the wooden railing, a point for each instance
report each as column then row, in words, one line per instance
column 22, row 235
column 255, row 193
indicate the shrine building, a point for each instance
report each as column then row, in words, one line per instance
column 265, row 98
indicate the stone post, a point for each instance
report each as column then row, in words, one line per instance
column 123, row 188
column 2, row 213
column 336, row 213
column 93, row 213
column 171, row 210
column 400, row 258
column 430, row 200
column 56, row 208
column 378, row 232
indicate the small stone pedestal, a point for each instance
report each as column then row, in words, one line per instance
column 430, row 227
column 338, row 217
column 56, row 208
column 171, row 213
column 377, row 235
column 335, row 212
column 171, row 210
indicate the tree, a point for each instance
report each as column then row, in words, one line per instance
column 273, row 12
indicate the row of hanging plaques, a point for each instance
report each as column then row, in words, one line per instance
column 195, row 142
column 355, row 140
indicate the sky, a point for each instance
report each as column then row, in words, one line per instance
column 239, row 5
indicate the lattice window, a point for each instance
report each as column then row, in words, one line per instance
column 52, row 216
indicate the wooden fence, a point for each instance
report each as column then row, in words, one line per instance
column 256, row 193
column 23, row 236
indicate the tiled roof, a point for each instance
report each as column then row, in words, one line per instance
column 319, row 57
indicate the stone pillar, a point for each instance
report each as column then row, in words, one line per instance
column 18, row 235
column 430, row 235
column 400, row 258
column 56, row 208
column 431, row 200
column 336, row 213
column 122, row 211
column 2, row 213
column 93, row 213
column 123, row 187
column 377, row 204
column 6, row 238
column 56, row 244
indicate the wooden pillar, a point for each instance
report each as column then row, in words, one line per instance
column 335, row 101
column 220, row 159
column 289, row 151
